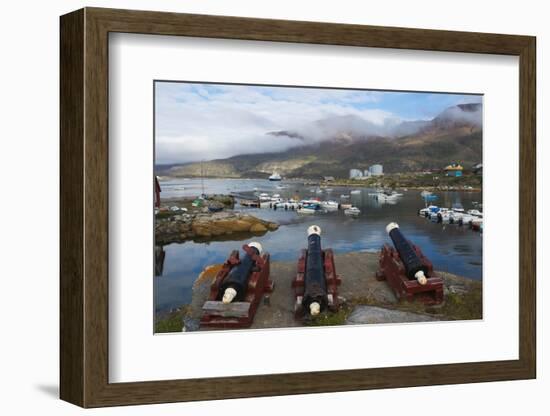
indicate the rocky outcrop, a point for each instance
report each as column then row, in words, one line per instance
column 206, row 226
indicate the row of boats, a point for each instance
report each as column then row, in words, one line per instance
column 472, row 218
column 305, row 206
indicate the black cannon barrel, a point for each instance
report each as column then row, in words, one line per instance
column 408, row 256
column 237, row 279
column 315, row 288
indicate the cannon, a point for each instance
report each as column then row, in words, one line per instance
column 237, row 289
column 316, row 282
column 408, row 272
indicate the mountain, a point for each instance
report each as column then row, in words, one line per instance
column 345, row 142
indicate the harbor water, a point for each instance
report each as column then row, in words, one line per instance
column 452, row 249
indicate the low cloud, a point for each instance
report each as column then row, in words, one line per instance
column 204, row 122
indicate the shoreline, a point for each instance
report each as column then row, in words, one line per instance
column 391, row 181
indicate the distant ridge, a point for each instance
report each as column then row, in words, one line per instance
column 454, row 135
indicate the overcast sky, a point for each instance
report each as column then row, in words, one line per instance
column 209, row 121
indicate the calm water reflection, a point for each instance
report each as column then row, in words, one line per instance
column 451, row 248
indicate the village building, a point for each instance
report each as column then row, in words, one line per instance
column 454, row 170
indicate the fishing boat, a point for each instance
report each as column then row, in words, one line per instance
column 352, row 211
column 355, row 192
column 275, row 177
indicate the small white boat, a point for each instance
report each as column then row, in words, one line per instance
column 425, row 193
column 352, row 211
column 345, row 206
column 466, row 219
column 330, row 205
column 457, row 208
column 355, row 192
column 275, row 177
column 344, row 196
column 385, row 197
column 425, row 212
column 475, row 213
column 306, row 210
column 319, row 191
column 441, row 215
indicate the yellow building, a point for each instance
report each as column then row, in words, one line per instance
column 454, row 169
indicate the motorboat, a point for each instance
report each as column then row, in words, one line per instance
column 275, row 177
column 352, row 211
column 355, row 192
column 330, row 205
column 475, row 213
column 344, row 196
column 458, row 208
column 466, row 219
column 425, row 212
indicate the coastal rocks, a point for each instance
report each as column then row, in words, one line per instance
column 363, row 314
column 258, row 228
column 208, row 226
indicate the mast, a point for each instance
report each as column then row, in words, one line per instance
column 202, row 178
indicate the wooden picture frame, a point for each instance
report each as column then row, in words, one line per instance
column 84, row 207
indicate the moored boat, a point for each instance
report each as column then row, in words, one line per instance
column 275, row 177
column 330, row 205
column 352, row 211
